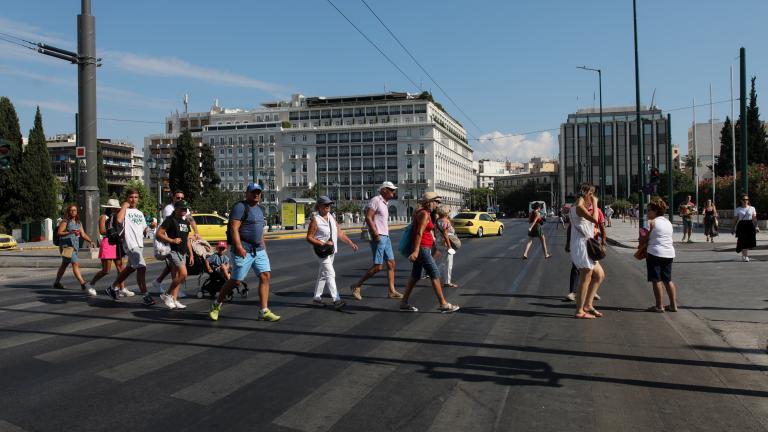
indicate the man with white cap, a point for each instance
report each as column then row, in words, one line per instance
column 377, row 219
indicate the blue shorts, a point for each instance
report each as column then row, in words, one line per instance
column 425, row 262
column 382, row 250
column 258, row 261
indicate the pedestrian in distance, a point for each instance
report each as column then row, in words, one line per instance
column 134, row 227
column 174, row 231
column 535, row 230
column 168, row 210
column 445, row 247
column 711, row 224
column 377, row 220
column 591, row 273
column 687, row 210
column 249, row 251
column 745, row 228
column 324, row 235
column 219, row 261
column 660, row 253
column 423, row 241
column 69, row 231
column 608, row 215
column 109, row 253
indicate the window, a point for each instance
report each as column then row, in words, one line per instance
column 409, row 163
column 420, row 109
column 382, row 110
column 422, row 132
column 320, row 138
column 407, row 109
column 378, row 136
column 326, row 114
column 239, row 150
column 355, row 137
column 250, row 140
column 333, row 138
column 370, row 111
column 240, row 140
column 394, row 110
column 336, row 113
column 271, row 139
column 392, row 135
column 314, row 115
column 344, row 137
column 293, row 138
column 212, row 141
column 229, row 151
column 304, row 138
column 304, row 115
column 367, row 136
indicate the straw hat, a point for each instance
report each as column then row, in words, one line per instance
column 111, row 203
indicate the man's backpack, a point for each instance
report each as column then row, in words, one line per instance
column 244, row 218
column 56, row 238
column 114, row 234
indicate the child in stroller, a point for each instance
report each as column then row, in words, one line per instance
column 217, row 267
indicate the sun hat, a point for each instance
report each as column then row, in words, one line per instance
column 430, row 196
column 387, row 185
column 111, row 203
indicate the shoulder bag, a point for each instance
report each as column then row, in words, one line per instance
column 326, row 250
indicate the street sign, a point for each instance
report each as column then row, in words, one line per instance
column 80, row 152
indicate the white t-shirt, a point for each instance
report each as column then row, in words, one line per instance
column 745, row 213
column 660, row 240
column 134, row 225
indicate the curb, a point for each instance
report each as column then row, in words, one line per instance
column 616, row 243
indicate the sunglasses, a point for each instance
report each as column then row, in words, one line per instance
column 180, row 197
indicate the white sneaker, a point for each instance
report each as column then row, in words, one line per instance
column 91, row 290
column 157, row 286
column 745, row 258
column 571, row 296
column 125, row 292
column 168, row 301
column 179, row 305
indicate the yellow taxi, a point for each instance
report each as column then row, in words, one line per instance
column 7, row 242
column 477, row 224
column 211, row 227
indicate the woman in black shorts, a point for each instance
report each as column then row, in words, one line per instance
column 661, row 253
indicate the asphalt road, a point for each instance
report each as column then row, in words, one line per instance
column 512, row 358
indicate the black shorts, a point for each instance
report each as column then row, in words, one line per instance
column 659, row 269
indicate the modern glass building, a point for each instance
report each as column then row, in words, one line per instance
column 579, row 149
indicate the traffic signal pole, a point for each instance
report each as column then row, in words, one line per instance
column 671, row 192
column 86, row 80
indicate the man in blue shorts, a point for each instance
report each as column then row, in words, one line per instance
column 377, row 219
column 248, row 249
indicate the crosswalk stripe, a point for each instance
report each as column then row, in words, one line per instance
column 23, row 339
column 156, row 361
column 9, row 427
column 22, row 306
column 18, row 319
column 322, row 409
column 79, row 350
column 231, row 379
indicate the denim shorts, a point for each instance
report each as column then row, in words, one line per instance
column 382, row 250
column 425, row 262
column 258, row 261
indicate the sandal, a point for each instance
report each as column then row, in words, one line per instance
column 395, row 295
column 595, row 312
column 452, row 285
column 525, row 257
column 669, row 308
column 655, row 309
column 584, row 315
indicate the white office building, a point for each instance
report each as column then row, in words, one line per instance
column 704, row 148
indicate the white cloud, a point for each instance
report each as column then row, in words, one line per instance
column 53, row 105
column 174, row 67
column 519, row 148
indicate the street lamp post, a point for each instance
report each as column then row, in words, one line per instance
column 640, row 143
column 601, row 151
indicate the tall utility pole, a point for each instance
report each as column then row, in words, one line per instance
column 733, row 143
column 640, row 143
column 695, row 159
column 670, row 170
column 601, row 150
column 712, row 141
column 86, row 80
column 744, row 122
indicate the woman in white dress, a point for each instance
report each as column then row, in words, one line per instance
column 591, row 274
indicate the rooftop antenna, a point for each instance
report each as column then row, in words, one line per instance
column 653, row 96
column 186, row 103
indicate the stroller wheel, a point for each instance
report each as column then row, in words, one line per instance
column 229, row 297
column 200, row 294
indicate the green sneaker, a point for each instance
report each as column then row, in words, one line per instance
column 267, row 315
column 214, row 312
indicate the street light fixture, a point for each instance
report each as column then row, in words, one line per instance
column 601, row 151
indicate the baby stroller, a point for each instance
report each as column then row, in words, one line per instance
column 210, row 283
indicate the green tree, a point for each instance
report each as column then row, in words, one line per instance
column 147, row 202
column 682, row 185
column 724, row 164
column 39, row 196
column 756, row 137
column 211, row 179
column 185, row 167
column 11, row 191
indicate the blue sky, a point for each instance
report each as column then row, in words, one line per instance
column 510, row 65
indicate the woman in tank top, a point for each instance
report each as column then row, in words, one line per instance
column 661, row 253
column 710, row 221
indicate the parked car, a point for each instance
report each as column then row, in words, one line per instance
column 211, row 227
column 7, row 242
column 477, row 224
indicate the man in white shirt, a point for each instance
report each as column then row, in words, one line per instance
column 134, row 226
column 168, row 210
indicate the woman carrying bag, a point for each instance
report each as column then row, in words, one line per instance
column 657, row 247
column 446, row 246
column 323, row 234
column 69, row 232
column 745, row 228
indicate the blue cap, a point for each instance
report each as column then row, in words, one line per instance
column 252, row 187
column 324, row 200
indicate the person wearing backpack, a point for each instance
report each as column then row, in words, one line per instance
column 134, row 226
column 245, row 233
column 423, row 241
column 111, row 247
column 69, row 232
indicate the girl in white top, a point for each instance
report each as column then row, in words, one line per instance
column 661, row 253
column 745, row 228
column 323, row 230
column 591, row 274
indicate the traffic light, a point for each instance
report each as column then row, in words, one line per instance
column 5, row 154
column 655, row 177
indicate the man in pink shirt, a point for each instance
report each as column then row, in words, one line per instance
column 377, row 219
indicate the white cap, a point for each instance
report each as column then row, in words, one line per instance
column 388, row 185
